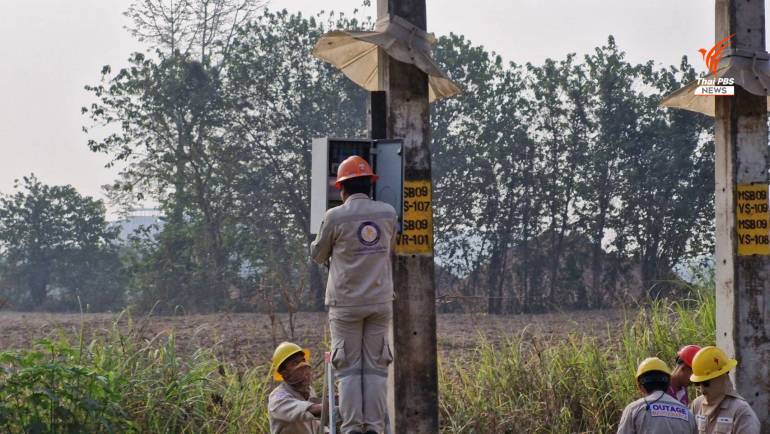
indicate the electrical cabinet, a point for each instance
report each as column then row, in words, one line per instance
column 384, row 156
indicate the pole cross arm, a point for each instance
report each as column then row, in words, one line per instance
column 355, row 53
column 750, row 70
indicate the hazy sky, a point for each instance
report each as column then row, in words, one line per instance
column 51, row 48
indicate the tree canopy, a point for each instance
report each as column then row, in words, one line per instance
column 57, row 249
column 559, row 184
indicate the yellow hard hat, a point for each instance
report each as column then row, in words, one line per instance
column 651, row 364
column 283, row 352
column 710, row 362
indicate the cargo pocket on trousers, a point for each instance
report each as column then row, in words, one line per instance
column 338, row 355
column 386, row 355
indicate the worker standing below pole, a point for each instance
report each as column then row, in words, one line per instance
column 719, row 408
column 656, row 412
column 358, row 236
column 396, row 58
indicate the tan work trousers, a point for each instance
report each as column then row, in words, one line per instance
column 361, row 355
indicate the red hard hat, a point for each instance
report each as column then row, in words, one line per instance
column 687, row 353
column 353, row 167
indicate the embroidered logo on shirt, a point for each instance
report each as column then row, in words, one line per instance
column 368, row 233
column 724, row 420
column 668, row 410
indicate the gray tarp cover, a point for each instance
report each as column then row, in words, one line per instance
column 751, row 73
column 355, row 54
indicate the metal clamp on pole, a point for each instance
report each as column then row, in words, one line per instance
column 748, row 54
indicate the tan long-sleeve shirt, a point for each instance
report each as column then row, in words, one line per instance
column 358, row 236
column 734, row 416
column 288, row 412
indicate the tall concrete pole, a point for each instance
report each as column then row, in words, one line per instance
column 414, row 388
column 743, row 264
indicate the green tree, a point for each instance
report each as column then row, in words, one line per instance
column 57, row 247
column 613, row 109
column 462, row 160
column 485, row 173
column 288, row 98
column 219, row 134
column 554, row 183
column 168, row 119
column 667, row 183
column 560, row 127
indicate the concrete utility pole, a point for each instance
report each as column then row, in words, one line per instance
column 414, row 392
column 743, row 264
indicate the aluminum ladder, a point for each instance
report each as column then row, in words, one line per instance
column 328, row 415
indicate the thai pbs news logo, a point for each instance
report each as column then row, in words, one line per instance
column 716, row 86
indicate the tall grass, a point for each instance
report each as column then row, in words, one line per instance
column 122, row 382
column 133, row 385
column 577, row 384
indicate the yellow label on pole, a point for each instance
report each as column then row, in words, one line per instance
column 752, row 219
column 417, row 227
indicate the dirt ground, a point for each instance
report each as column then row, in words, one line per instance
column 247, row 339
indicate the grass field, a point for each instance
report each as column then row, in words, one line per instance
column 551, row 373
column 246, row 339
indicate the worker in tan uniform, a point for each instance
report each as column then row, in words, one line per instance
column 719, row 409
column 358, row 237
column 292, row 406
column 656, row 412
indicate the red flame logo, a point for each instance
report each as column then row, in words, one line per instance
column 713, row 56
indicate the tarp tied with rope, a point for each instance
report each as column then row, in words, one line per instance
column 355, row 54
column 750, row 70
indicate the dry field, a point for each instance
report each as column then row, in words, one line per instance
column 247, row 340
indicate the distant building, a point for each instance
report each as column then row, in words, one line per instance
column 138, row 218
